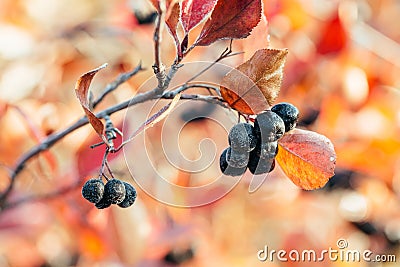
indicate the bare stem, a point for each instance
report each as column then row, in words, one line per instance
column 116, row 83
column 103, row 163
column 158, row 67
column 227, row 53
column 48, row 196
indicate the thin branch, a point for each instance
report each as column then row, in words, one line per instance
column 109, row 170
column 48, row 196
column 156, row 93
column 158, row 67
column 186, row 86
column 160, row 115
column 103, row 163
column 206, row 98
column 227, row 53
column 116, row 83
column 54, row 138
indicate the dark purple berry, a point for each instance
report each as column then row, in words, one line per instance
column 237, row 159
column 269, row 126
column 103, row 203
column 266, row 150
column 229, row 170
column 242, row 138
column 130, row 196
column 177, row 257
column 93, row 190
column 259, row 165
column 288, row 113
column 114, row 191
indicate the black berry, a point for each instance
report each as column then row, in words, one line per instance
column 288, row 113
column 103, row 203
column 237, row 159
column 130, row 196
column 229, row 170
column 93, row 190
column 266, row 150
column 259, row 165
column 242, row 138
column 114, row 191
column 179, row 256
column 269, row 126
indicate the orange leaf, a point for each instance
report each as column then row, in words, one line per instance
column 307, row 158
column 230, row 19
column 82, row 92
column 172, row 20
column 255, row 84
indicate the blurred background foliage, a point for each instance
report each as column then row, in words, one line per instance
column 343, row 73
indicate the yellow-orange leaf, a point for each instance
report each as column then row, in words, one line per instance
column 307, row 158
column 254, row 85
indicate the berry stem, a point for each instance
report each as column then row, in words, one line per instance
column 109, row 169
column 103, row 164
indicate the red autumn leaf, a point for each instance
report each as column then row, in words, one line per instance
column 194, row 11
column 307, row 158
column 230, row 19
column 333, row 38
column 82, row 92
column 254, row 85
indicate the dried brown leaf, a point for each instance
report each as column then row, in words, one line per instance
column 254, row 85
column 82, row 93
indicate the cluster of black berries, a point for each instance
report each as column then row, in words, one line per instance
column 255, row 147
column 113, row 192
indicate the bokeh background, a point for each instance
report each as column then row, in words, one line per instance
column 343, row 73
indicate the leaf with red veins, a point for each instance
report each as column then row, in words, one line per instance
column 307, row 158
column 230, row 19
column 194, row 11
column 82, row 92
